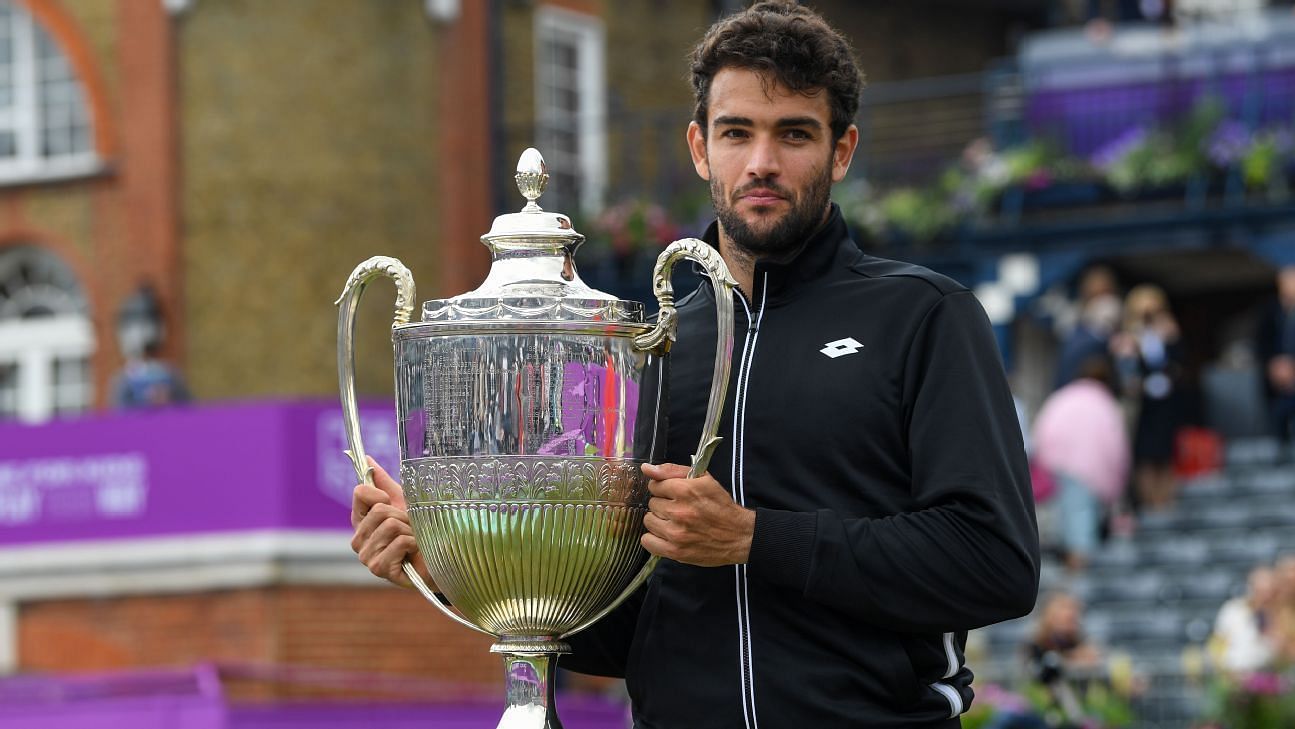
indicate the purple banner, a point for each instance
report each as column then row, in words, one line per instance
column 194, row 698
column 184, row 470
column 1085, row 117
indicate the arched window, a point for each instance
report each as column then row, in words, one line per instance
column 46, row 337
column 45, row 124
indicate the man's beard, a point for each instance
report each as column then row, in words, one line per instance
column 788, row 234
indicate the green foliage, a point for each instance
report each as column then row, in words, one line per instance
column 1263, row 162
column 921, row 214
column 1157, row 162
column 978, row 716
column 1204, row 144
column 1258, row 701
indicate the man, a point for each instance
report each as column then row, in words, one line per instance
column 1275, row 345
column 870, row 501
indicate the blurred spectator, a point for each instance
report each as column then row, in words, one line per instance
column 1080, row 438
column 1099, row 316
column 1243, row 631
column 1284, row 612
column 1059, row 632
column 147, row 381
column 1276, row 349
column 1103, row 15
column 1096, row 281
column 1060, row 657
column 1149, row 356
column 1062, row 661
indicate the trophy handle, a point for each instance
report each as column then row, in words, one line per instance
column 662, row 337
column 442, row 604
column 347, row 303
column 659, row 341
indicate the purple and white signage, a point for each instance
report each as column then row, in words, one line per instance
column 70, row 489
column 204, row 469
column 381, row 441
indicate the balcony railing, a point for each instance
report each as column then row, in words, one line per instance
column 1064, row 97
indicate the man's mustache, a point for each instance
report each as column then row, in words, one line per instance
column 769, row 185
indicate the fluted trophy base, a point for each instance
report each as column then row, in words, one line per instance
column 530, row 666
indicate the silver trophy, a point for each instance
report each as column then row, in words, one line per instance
column 525, row 410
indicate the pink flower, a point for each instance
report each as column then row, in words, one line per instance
column 1001, row 699
column 1260, row 683
column 1038, row 179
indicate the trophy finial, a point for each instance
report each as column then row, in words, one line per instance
column 532, row 176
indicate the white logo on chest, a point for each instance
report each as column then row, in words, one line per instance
column 841, row 347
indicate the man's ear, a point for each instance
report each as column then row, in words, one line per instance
column 843, row 152
column 697, row 147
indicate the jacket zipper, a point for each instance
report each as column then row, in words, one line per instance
column 738, row 486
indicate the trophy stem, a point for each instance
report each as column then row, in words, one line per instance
column 529, row 671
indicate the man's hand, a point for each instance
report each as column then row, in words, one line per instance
column 695, row 521
column 383, row 537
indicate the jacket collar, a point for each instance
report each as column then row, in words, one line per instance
column 812, row 262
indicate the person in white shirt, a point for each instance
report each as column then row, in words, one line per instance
column 1242, row 639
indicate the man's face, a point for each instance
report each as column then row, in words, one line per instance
column 770, row 160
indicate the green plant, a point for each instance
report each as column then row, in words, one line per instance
column 1257, row 701
column 1102, row 708
column 922, row 214
column 1263, row 163
column 1140, row 159
column 1144, row 158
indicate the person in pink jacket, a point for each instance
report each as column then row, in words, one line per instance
column 1081, row 439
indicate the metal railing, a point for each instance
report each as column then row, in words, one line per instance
column 1061, row 88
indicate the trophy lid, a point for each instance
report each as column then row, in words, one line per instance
column 532, row 274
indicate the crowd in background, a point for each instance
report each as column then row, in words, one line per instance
column 1102, row 449
column 1115, row 411
column 1104, row 444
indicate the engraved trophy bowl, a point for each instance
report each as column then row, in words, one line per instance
column 526, row 408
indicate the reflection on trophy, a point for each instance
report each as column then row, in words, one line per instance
column 526, row 408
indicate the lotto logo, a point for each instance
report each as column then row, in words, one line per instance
column 841, row 347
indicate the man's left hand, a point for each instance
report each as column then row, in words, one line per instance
column 694, row 520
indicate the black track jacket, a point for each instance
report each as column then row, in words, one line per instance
column 869, row 424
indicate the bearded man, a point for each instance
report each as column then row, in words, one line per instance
column 870, row 502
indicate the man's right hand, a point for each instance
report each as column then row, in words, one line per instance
column 383, row 537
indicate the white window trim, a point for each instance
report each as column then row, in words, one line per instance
column 29, row 165
column 34, row 345
column 8, row 636
column 590, row 35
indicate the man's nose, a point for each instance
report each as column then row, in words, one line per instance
column 763, row 161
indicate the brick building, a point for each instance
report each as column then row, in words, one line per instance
column 233, row 160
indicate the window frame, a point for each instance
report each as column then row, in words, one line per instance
column 25, row 116
column 36, row 346
column 36, row 343
column 588, row 35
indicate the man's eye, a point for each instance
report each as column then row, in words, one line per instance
column 798, row 135
column 733, row 133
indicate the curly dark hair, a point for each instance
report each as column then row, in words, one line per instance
column 788, row 44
